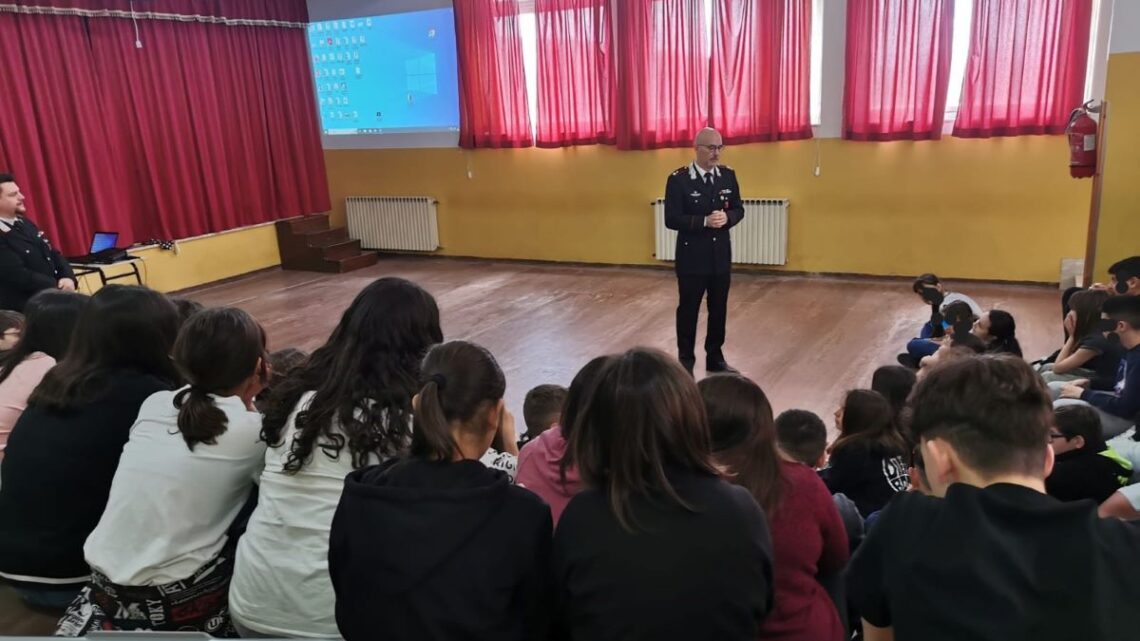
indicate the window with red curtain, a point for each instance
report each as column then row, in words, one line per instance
column 662, row 87
column 575, row 72
column 492, row 82
column 206, row 127
column 898, row 69
column 1027, row 66
column 761, row 70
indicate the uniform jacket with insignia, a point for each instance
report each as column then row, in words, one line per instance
column 688, row 200
column 28, row 264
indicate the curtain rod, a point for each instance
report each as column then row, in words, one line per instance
column 149, row 15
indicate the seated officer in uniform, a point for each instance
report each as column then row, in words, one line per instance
column 702, row 202
column 28, row 263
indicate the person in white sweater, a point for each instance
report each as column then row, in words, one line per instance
column 161, row 557
column 348, row 406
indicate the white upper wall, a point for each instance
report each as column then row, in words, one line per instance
column 320, row 10
column 1125, row 27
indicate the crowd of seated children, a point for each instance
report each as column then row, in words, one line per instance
column 647, row 506
column 960, row 564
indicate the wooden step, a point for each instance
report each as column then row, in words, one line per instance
column 303, row 224
column 344, row 249
column 325, row 237
column 366, row 259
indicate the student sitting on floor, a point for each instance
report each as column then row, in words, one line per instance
column 1085, row 467
column 436, row 545
column 1088, row 352
column 659, row 547
column 1118, row 408
column 161, row 546
column 349, row 406
column 63, row 451
column 542, row 407
column 933, row 292
column 809, row 544
column 994, row 558
column 894, row 382
column 541, row 463
column 958, row 319
column 867, row 462
column 51, row 318
column 998, row 331
column 802, row 436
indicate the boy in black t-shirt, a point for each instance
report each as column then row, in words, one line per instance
column 994, row 558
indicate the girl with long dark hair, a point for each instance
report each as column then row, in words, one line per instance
column 346, row 407
column 808, row 538
column 63, row 451
column 868, row 461
column 998, row 331
column 658, row 546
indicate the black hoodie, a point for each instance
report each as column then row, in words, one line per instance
column 429, row 550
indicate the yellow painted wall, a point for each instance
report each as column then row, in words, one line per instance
column 1119, row 231
column 202, row 260
column 1002, row 209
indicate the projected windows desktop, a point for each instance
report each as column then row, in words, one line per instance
column 394, row 73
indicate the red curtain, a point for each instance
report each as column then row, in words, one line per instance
column 1027, row 66
column 575, row 72
column 761, row 70
column 207, row 127
column 662, row 88
column 77, row 177
column 492, row 83
column 898, row 69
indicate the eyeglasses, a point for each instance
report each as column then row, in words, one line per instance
column 1053, row 437
column 712, row 147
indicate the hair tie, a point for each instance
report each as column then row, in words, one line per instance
column 440, row 381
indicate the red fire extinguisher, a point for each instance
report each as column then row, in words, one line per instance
column 1082, row 141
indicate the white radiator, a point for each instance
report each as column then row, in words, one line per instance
column 760, row 239
column 400, row 223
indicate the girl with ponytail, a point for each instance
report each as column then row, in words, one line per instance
column 184, row 475
column 456, row 550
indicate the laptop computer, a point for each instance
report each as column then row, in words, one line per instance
column 103, row 249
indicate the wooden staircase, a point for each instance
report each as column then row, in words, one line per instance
column 308, row 243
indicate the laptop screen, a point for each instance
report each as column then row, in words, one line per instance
column 103, row 240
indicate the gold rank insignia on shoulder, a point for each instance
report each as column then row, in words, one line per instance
column 680, row 171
